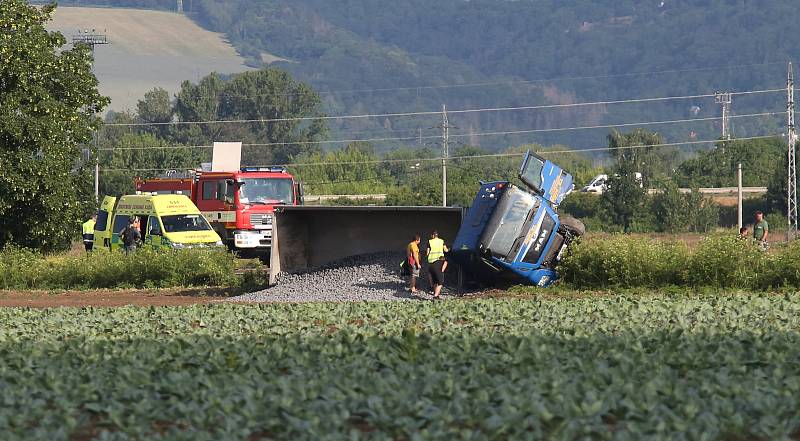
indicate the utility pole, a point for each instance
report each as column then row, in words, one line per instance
column 739, row 195
column 445, row 140
column 791, row 186
column 92, row 39
column 724, row 99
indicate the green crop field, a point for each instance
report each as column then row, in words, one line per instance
column 690, row 367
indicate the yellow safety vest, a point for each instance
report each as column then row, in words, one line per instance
column 88, row 227
column 436, row 247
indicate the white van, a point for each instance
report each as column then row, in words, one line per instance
column 600, row 184
column 597, row 185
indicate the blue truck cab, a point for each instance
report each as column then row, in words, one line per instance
column 510, row 230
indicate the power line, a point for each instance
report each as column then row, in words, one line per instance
column 668, row 144
column 463, row 135
column 496, row 155
column 437, row 113
column 607, row 126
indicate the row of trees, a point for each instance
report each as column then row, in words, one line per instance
column 278, row 114
column 627, row 206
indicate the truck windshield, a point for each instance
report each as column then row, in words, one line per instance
column 266, row 191
column 507, row 222
column 184, row 222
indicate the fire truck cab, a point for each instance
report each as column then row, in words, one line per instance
column 238, row 204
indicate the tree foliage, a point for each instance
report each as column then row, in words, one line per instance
column 636, row 163
column 47, row 111
column 129, row 150
column 156, row 107
column 760, row 158
column 353, row 170
column 625, row 197
column 677, row 212
column 777, row 186
column 289, row 106
column 636, row 148
column 142, row 155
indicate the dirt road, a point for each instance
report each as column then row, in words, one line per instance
column 112, row 298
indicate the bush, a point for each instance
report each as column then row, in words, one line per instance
column 718, row 262
column 624, row 261
column 782, row 269
column 776, row 221
column 583, row 205
column 726, row 262
column 25, row 269
column 591, row 209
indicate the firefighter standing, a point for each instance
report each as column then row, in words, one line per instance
column 88, row 233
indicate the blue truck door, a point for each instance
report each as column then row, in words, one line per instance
column 545, row 178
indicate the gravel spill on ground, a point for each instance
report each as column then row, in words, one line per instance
column 365, row 277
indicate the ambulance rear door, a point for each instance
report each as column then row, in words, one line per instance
column 102, row 228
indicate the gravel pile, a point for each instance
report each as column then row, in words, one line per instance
column 365, row 277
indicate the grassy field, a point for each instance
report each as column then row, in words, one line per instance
column 147, row 49
column 657, row 367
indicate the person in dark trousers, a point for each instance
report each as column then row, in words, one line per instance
column 436, row 263
column 414, row 264
column 131, row 236
column 88, row 233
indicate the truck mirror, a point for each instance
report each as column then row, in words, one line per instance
column 230, row 189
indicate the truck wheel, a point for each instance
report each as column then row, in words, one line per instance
column 572, row 225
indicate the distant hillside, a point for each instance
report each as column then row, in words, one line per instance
column 147, row 49
column 518, row 53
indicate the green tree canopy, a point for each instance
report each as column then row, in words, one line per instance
column 352, row 170
column 717, row 167
column 266, row 94
column 777, row 187
column 47, row 110
column 636, row 148
column 626, row 194
column 143, row 155
column 156, row 107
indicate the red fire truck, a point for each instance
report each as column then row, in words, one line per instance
column 239, row 204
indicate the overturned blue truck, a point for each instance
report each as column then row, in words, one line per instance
column 510, row 232
column 515, row 233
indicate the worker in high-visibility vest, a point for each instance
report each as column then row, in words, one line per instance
column 436, row 263
column 88, row 233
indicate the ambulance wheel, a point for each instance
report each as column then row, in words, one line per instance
column 574, row 226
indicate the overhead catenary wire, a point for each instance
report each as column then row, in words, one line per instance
column 470, row 157
column 437, row 112
column 460, row 135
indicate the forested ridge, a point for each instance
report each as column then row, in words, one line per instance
column 587, row 50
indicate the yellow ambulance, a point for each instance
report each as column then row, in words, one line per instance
column 166, row 221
